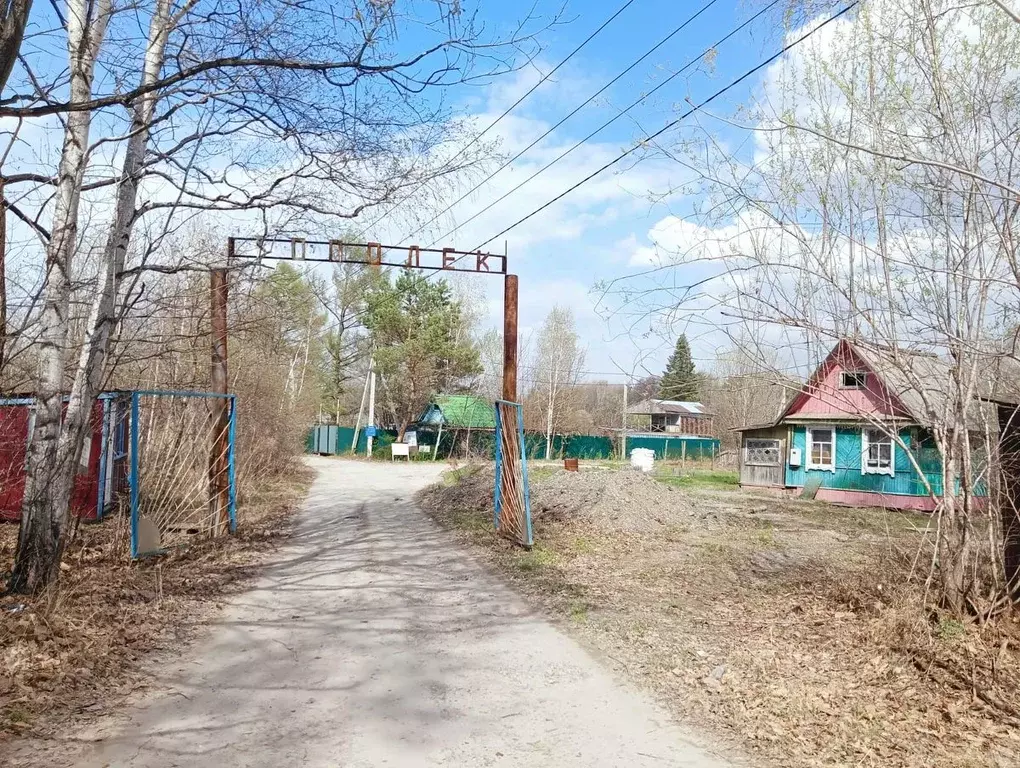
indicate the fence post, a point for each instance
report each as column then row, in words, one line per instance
column 232, row 468
column 524, row 475
column 104, row 457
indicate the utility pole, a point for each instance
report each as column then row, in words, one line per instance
column 371, row 407
column 361, row 409
column 623, row 432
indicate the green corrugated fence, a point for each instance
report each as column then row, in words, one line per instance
column 332, row 440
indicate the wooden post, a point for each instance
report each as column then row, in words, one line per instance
column 510, row 338
column 219, row 490
column 371, row 408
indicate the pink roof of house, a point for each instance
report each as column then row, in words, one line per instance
column 822, row 397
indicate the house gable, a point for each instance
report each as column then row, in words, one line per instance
column 825, row 395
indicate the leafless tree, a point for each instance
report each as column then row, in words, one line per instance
column 286, row 112
column 13, row 18
column 557, row 366
column 878, row 201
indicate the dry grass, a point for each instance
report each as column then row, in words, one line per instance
column 76, row 650
column 788, row 628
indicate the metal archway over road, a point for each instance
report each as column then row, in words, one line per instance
column 373, row 255
column 511, row 480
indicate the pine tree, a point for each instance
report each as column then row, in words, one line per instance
column 679, row 382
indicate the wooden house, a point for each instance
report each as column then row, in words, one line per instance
column 846, row 433
column 677, row 417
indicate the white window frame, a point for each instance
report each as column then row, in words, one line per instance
column 808, row 462
column 865, row 446
column 862, row 385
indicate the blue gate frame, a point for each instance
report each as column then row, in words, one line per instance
column 231, row 439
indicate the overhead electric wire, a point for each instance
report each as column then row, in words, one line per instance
column 564, row 119
column 721, row 40
column 668, row 126
column 613, row 119
column 513, row 106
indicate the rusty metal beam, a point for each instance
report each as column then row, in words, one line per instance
column 368, row 254
column 510, row 338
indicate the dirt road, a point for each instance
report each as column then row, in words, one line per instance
column 373, row 640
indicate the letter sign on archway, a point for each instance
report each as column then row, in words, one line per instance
column 373, row 255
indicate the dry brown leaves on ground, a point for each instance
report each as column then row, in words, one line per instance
column 788, row 628
column 76, row 650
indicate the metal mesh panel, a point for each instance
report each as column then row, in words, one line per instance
column 182, row 468
column 512, row 501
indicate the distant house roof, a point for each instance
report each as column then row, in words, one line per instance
column 459, row 412
column 653, row 407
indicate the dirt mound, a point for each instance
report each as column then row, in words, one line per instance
column 627, row 500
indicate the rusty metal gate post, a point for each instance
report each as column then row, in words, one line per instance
column 219, row 485
column 510, row 338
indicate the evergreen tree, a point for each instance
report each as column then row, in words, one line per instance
column 679, row 382
column 420, row 342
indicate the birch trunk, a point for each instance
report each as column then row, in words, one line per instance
column 54, row 451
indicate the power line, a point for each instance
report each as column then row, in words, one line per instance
column 613, row 119
column 652, row 137
column 576, row 109
column 665, row 128
column 513, row 106
column 673, row 76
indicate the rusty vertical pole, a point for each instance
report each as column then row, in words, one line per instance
column 219, row 491
column 510, row 338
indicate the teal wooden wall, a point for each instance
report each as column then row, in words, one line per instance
column 848, row 475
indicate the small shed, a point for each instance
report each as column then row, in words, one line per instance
column 458, row 412
column 458, row 424
column 678, row 417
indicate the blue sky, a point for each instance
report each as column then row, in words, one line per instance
column 592, row 236
column 600, row 232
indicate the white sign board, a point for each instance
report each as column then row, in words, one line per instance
column 411, row 438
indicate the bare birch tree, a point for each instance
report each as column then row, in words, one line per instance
column 13, row 19
column 233, row 111
column 52, row 455
column 879, row 203
column 557, row 366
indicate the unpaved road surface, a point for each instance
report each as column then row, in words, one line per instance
column 373, row 640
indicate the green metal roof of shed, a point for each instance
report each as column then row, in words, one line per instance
column 464, row 412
